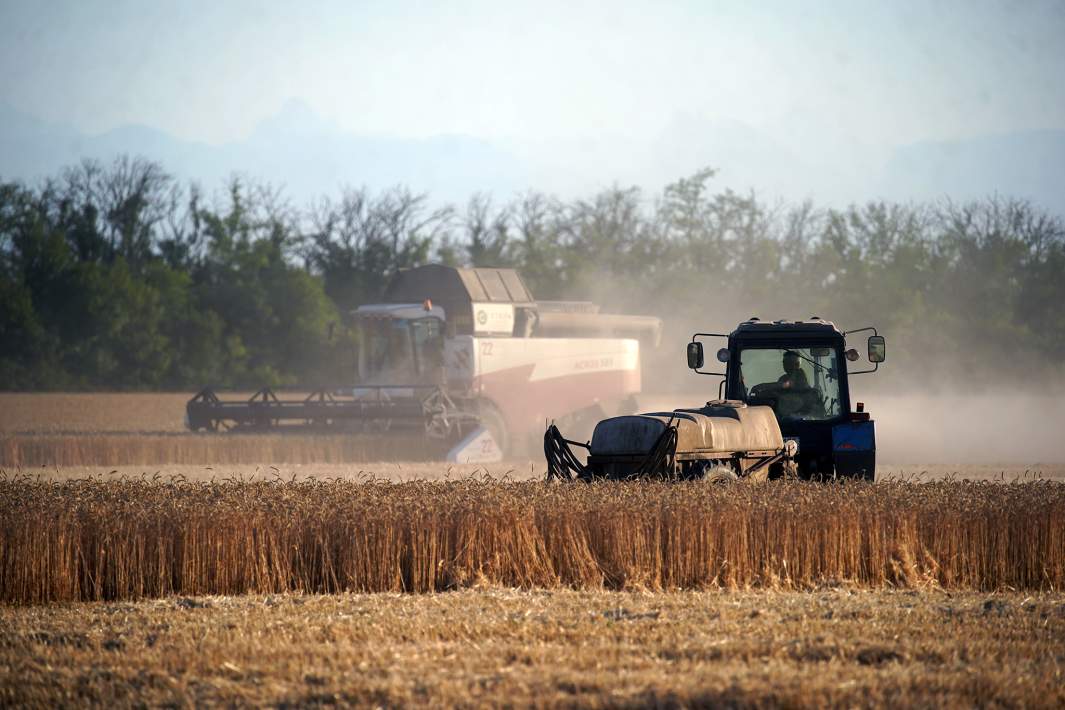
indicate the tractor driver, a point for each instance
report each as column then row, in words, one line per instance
column 791, row 394
column 794, row 378
column 795, row 397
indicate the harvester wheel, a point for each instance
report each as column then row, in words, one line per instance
column 493, row 421
column 720, row 475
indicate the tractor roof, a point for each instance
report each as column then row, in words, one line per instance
column 757, row 329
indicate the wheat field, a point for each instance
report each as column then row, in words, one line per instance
column 142, row 564
column 92, row 412
column 108, row 430
column 153, row 449
column 93, row 540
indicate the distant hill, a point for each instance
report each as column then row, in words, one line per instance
column 745, row 158
column 294, row 149
column 1025, row 164
column 308, row 156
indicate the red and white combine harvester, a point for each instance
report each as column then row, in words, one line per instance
column 465, row 356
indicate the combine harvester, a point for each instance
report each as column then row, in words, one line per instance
column 785, row 410
column 463, row 356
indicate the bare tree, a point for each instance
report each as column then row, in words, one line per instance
column 360, row 241
column 488, row 232
column 127, row 200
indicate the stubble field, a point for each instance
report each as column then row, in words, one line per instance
column 498, row 647
column 143, row 565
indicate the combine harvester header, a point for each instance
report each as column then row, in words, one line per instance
column 466, row 356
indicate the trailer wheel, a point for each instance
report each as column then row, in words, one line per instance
column 784, row 469
column 722, row 475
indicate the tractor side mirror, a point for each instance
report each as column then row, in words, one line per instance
column 722, row 355
column 877, row 349
column 695, row 355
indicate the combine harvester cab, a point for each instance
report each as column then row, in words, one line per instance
column 785, row 411
column 467, row 357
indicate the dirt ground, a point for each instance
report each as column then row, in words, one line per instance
column 500, row 647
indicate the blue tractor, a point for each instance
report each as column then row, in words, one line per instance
column 783, row 409
column 800, row 370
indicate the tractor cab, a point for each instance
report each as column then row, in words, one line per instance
column 400, row 343
column 800, row 370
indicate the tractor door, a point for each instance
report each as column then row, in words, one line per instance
column 804, row 382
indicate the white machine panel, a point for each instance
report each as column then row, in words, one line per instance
column 478, row 447
column 493, row 318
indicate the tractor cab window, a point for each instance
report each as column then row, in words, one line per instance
column 798, row 383
column 400, row 350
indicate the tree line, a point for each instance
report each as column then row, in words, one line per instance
column 120, row 276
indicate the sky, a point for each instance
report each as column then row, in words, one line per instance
column 840, row 83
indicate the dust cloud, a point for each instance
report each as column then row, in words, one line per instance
column 916, row 429
column 1005, row 428
column 929, row 409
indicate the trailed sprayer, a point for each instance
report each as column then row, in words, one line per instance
column 784, row 407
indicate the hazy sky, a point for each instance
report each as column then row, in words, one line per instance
column 845, row 76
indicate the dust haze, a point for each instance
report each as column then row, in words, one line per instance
column 913, row 430
column 929, row 410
